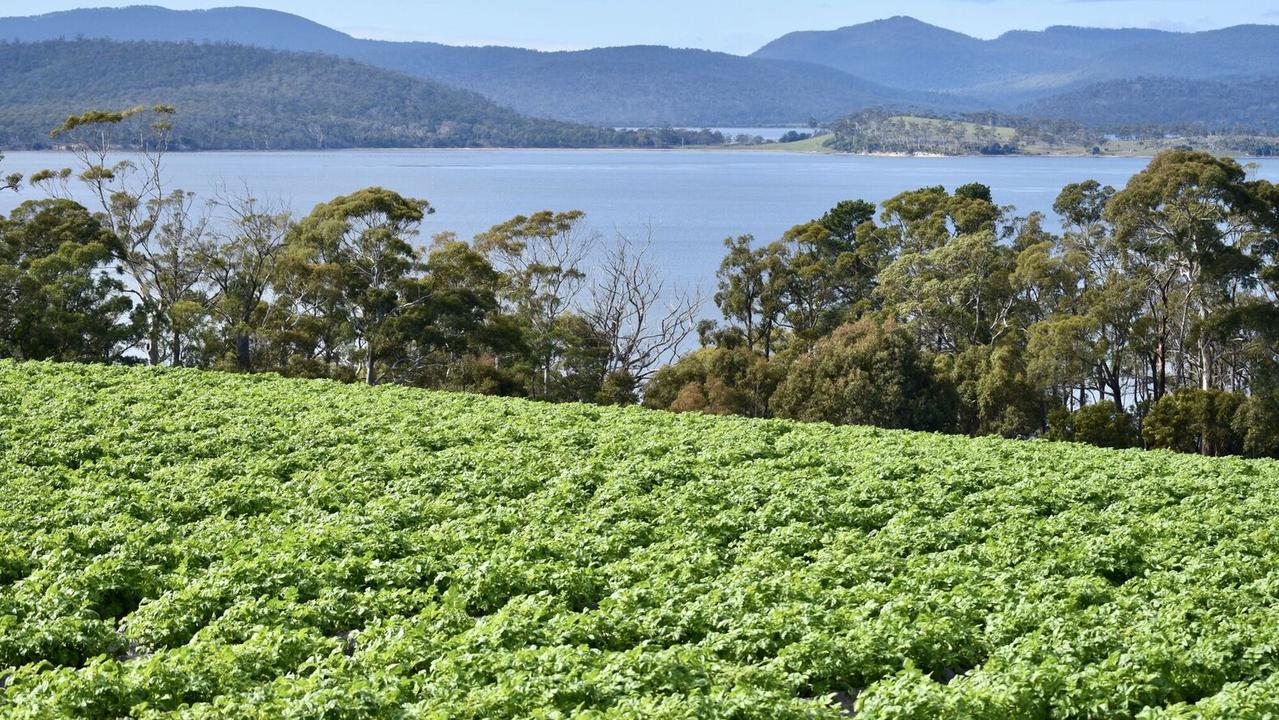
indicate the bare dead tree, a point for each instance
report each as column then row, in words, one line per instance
column 631, row 307
column 316, row 131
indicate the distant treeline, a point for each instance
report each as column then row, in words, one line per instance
column 994, row 133
column 241, row 98
column 1151, row 321
column 1248, row 106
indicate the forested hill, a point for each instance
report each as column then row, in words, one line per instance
column 238, row 97
column 904, row 52
column 648, row 86
column 248, row 26
column 1249, row 104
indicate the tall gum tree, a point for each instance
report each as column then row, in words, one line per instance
column 159, row 230
column 1189, row 217
column 541, row 258
column 356, row 251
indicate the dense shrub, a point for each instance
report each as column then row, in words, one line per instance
column 1257, row 425
column 718, row 381
column 1101, row 424
column 1195, row 421
column 866, row 373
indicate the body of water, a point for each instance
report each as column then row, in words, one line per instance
column 768, row 133
column 687, row 201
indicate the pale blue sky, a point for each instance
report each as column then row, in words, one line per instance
column 738, row 26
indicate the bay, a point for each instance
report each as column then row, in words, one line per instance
column 685, row 201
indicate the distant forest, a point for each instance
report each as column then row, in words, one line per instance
column 1238, row 105
column 242, row 98
column 991, row 133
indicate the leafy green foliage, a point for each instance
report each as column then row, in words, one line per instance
column 354, row 255
column 718, row 381
column 11, row 181
column 183, row 544
column 1102, row 424
column 1167, row 284
column 56, row 300
column 866, row 373
column 1194, row 420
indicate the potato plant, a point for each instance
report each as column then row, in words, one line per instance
column 180, row 544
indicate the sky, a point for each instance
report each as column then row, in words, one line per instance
column 736, row 26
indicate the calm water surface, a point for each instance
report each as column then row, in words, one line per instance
column 690, row 200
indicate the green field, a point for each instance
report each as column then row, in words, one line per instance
column 816, row 144
column 184, row 544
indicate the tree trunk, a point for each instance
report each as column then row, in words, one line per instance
column 1205, row 352
column 177, row 349
column 153, row 343
column 243, row 357
column 370, row 374
column 1161, row 369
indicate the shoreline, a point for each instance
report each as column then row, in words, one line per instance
column 776, row 148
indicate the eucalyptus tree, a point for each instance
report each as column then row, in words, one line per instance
column 1083, row 305
column 1190, row 219
column 857, row 249
column 542, row 260
column 957, row 295
column 452, row 327
column 59, row 299
column 829, row 276
column 12, row 181
column 242, row 265
column 752, row 291
column 352, row 259
column 121, row 155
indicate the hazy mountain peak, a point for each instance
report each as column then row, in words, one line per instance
column 894, row 21
column 899, row 25
column 1020, row 64
column 238, row 24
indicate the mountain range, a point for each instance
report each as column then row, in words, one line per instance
column 625, row 86
column 1020, row 66
column 240, row 97
column 1223, row 79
